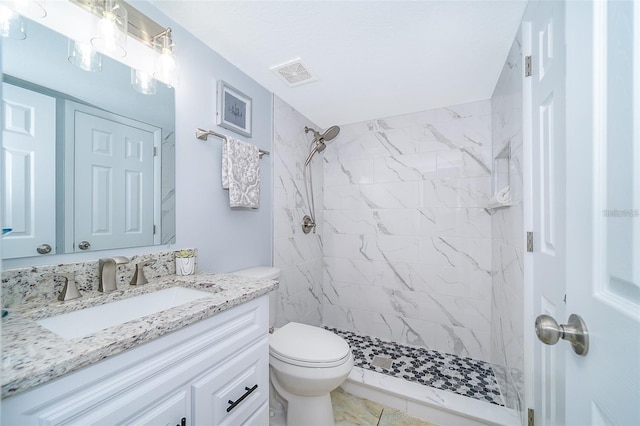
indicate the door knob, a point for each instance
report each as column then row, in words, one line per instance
column 84, row 245
column 575, row 332
column 43, row 249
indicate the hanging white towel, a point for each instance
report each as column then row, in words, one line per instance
column 241, row 173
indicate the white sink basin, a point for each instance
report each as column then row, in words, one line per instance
column 87, row 321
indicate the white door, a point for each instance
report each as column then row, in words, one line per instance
column 603, row 210
column 29, row 187
column 545, row 267
column 115, row 181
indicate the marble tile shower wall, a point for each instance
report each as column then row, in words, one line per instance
column 298, row 255
column 168, row 171
column 508, row 237
column 407, row 236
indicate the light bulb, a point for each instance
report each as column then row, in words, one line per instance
column 84, row 56
column 166, row 70
column 110, row 32
column 167, row 61
column 143, row 82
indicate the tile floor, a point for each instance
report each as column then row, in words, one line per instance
column 349, row 410
column 464, row 376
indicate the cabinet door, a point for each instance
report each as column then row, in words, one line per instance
column 29, row 187
column 166, row 412
column 216, row 390
column 260, row 417
column 161, row 399
column 188, row 373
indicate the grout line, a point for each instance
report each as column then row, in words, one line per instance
column 380, row 417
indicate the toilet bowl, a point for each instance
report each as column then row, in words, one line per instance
column 305, row 364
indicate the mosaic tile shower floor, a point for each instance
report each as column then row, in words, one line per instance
column 464, row 376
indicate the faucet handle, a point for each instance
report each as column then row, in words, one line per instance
column 138, row 276
column 70, row 290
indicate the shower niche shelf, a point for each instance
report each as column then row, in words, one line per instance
column 501, row 178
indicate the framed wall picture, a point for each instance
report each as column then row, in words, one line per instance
column 234, row 109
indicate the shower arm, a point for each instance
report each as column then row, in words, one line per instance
column 316, row 135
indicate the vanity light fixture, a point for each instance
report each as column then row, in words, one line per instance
column 119, row 18
column 31, row 8
column 84, row 56
column 143, row 82
column 11, row 24
column 110, row 32
column 166, row 69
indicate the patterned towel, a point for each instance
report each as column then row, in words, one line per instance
column 241, row 173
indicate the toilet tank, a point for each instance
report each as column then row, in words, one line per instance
column 264, row 273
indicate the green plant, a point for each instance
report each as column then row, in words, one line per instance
column 184, row 253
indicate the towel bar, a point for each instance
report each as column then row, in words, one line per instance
column 204, row 134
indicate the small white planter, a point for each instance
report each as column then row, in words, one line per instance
column 185, row 265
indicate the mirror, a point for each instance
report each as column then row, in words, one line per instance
column 89, row 163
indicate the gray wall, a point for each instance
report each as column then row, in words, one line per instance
column 226, row 239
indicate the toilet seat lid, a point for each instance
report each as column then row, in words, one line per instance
column 308, row 344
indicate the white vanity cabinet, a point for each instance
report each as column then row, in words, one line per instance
column 195, row 373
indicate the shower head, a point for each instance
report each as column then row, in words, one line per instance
column 328, row 134
column 319, row 140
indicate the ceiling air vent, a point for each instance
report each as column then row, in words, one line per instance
column 294, row 73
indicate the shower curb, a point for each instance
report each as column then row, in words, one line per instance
column 426, row 403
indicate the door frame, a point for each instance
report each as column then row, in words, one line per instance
column 531, row 344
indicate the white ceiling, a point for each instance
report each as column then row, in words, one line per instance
column 373, row 59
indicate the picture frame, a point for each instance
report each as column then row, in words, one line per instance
column 234, row 109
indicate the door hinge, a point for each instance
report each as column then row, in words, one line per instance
column 530, row 418
column 154, row 230
column 527, row 66
column 155, row 151
column 530, row 241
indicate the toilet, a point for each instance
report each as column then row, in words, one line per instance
column 305, row 363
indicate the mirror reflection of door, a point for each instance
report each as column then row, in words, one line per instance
column 116, row 184
column 39, row 63
column 29, row 191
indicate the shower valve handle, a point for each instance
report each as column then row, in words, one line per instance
column 308, row 224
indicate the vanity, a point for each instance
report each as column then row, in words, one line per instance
column 203, row 362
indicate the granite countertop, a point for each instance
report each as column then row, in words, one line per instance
column 32, row 355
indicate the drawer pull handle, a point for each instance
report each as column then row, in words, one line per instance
column 235, row 403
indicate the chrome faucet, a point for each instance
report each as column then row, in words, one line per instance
column 107, row 272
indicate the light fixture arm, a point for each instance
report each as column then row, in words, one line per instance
column 141, row 27
column 163, row 40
